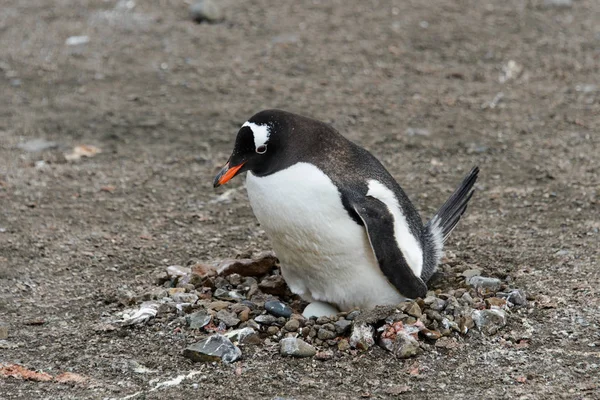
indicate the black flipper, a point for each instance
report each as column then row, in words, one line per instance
column 379, row 223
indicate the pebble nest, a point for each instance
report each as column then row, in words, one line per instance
column 245, row 302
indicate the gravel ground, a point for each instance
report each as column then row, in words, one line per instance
column 431, row 88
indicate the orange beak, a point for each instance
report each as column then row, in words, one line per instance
column 226, row 174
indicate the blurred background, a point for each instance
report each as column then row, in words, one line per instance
column 115, row 115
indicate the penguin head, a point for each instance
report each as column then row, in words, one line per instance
column 258, row 143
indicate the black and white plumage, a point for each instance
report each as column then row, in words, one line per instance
column 344, row 230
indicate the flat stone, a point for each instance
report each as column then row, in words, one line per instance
column 244, row 336
column 342, row 326
column 198, row 320
column 481, row 282
column 265, row 319
column 362, row 336
column 274, row 285
column 228, row 318
column 296, row 348
column 278, row 309
column 517, row 297
column 214, row 348
column 258, row 266
column 489, row 321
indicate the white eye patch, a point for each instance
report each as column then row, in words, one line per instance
column 261, row 133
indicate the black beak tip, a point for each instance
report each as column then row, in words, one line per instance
column 216, row 183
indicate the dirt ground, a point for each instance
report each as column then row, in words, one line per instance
column 431, row 88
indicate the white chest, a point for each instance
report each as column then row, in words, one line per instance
column 325, row 255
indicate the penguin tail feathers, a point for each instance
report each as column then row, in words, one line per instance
column 445, row 220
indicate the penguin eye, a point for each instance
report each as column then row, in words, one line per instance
column 262, row 149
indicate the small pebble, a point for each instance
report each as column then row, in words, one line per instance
column 352, row 315
column 362, row 336
column 343, row 326
column 482, row 282
column 218, row 305
column 278, row 309
column 343, row 345
column 325, row 334
column 228, row 318
column 292, row 325
column 206, row 10
column 324, row 355
column 272, row 330
column 265, row 319
column 489, row 321
column 296, row 347
column 413, row 309
column 213, row 348
column 198, row 320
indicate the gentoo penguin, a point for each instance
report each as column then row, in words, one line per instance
column 343, row 229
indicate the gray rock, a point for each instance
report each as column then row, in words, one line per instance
column 252, row 324
column 403, row 346
column 342, row 326
column 362, row 336
column 37, row 145
column 469, row 273
column 206, row 10
column 228, row 318
column 435, row 303
column 177, row 271
column 266, row 319
column 352, row 315
column 244, row 335
column 296, row 348
column 184, row 298
column 292, row 325
column 278, row 309
column 517, row 297
column 489, row 321
column 325, row 334
column 481, row 282
column 213, row 348
column 230, row 295
column 198, row 320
